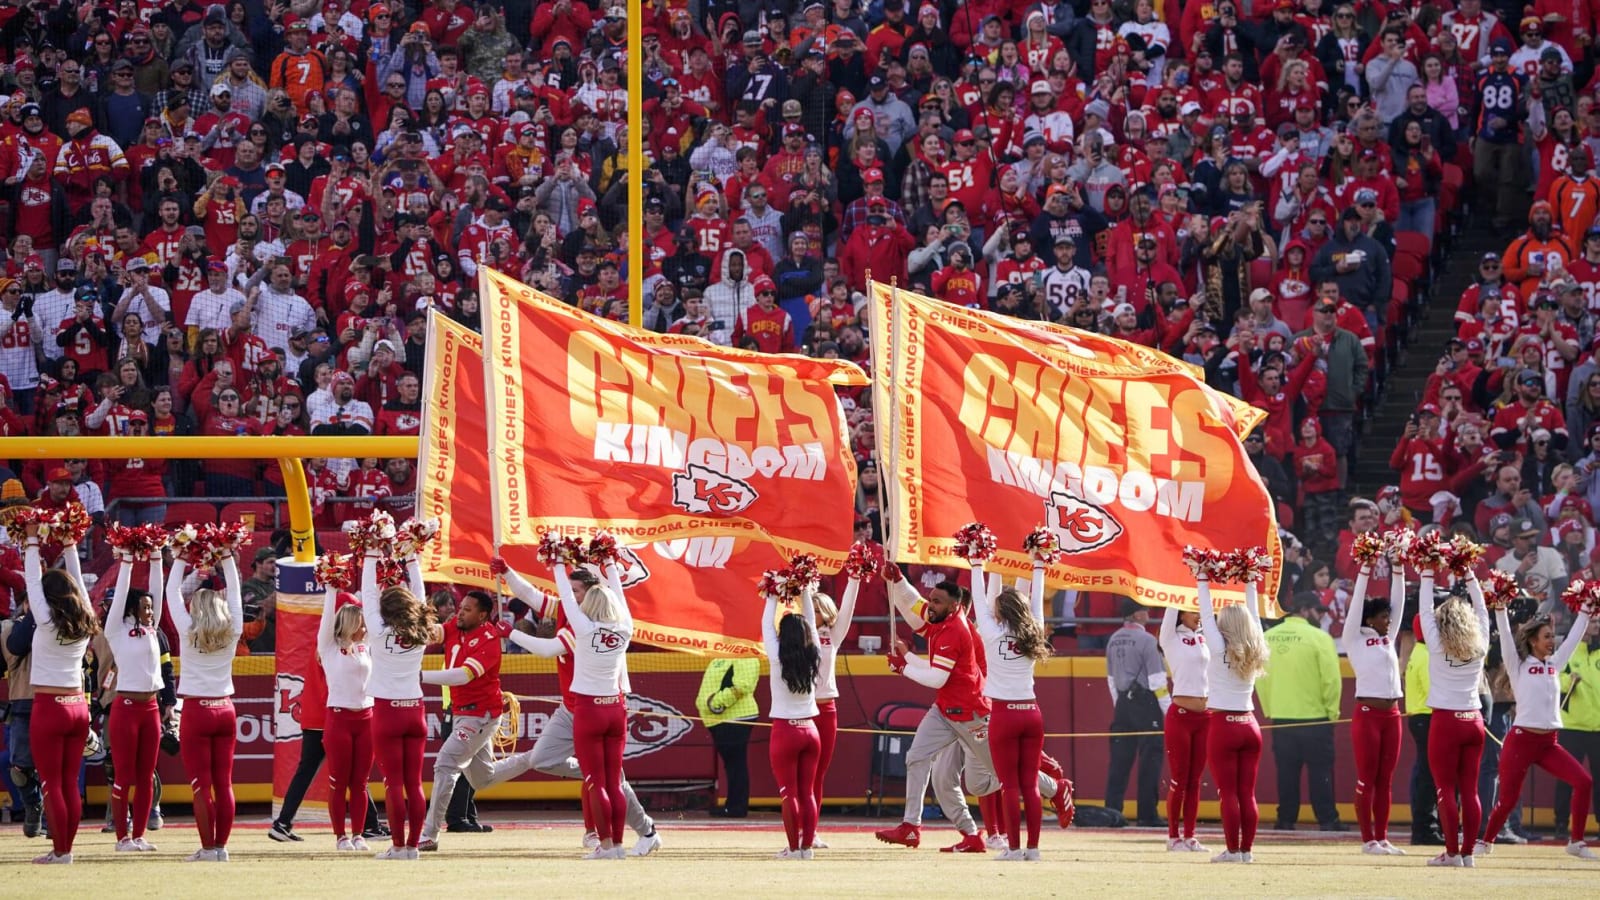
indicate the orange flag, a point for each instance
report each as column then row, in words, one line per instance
column 1119, row 449
column 696, row 595
column 600, row 425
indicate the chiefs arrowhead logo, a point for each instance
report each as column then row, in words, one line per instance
column 701, row 490
column 652, row 725
column 634, row 571
column 1008, row 649
column 1079, row 525
column 604, row 641
column 286, row 707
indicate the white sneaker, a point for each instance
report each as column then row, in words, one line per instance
column 1031, row 855
column 807, row 853
column 1391, row 849
column 359, row 843
column 1581, row 850
column 819, row 844
column 1228, row 856
column 1374, row 848
column 1482, row 848
column 997, row 842
column 604, row 853
column 1177, row 845
column 618, row 852
column 646, row 845
column 393, row 852
column 413, row 853
column 220, row 854
column 1445, row 861
column 591, row 840
column 344, row 845
column 785, row 853
column 1469, row 862
column 1009, row 855
column 53, row 859
column 1193, row 845
column 201, row 855
column 126, row 845
column 1245, row 856
column 1509, row 836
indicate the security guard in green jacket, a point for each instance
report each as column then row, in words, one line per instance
column 727, row 704
column 1301, row 688
column 1580, row 715
column 1424, row 799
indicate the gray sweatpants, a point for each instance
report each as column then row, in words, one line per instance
column 552, row 755
column 467, row 752
column 943, row 752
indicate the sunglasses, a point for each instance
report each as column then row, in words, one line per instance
column 1327, row 309
column 292, row 407
column 227, row 397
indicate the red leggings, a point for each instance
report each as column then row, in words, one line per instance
column 1524, row 749
column 1185, row 738
column 1016, row 745
column 347, row 745
column 1233, row 748
column 399, row 732
column 793, row 754
column 206, row 737
column 1376, row 735
column 827, row 734
column 135, row 731
column 1455, row 747
column 599, row 732
column 58, row 730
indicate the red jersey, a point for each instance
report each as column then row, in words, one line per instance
column 969, row 180
column 962, row 287
column 1420, row 462
column 477, row 650
column 371, row 484
column 772, row 329
column 90, row 354
column 951, row 649
column 1544, row 413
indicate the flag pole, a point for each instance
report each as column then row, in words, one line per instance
column 635, row 171
column 887, row 342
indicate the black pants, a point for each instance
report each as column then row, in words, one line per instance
column 1136, row 710
column 1307, row 747
column 1585, row 748
column 1424, row 795
column 732, row 740
column 463, row 808
column 311, row 757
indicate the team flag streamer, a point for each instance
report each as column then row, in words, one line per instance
column 1123, row 451
column 659, row 436
column 688, row 594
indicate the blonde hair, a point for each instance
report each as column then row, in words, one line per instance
column 212, row 631
column 1460, row 636
column 827, row 612
column 346, row 622
column 601, row 605
column 1245, row 648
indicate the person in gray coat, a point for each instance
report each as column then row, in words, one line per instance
column 1390, row 75
column 1360, row 266
column 894, row 119
column 559, row 194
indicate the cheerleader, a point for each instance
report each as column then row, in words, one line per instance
column 602, row 628
column 1371, row 646
column 63, row 624
column 1233, row 740
column 1187, row 725
column 135, row 718
column 1455, row 635
column 399, row 627
column 209, row 629
column 832, row 623
column 791, row 646
column 1014, row 638
column 347, row 735
column 1535, row 666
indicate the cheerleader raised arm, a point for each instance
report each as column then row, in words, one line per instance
column 346, row 664
column 1370, row 641
column 1455, row 633
column 399, row 627
column 791, row 646
column 1186, row 726
column 135, row 718
column 1238, row 657
column 603, row 628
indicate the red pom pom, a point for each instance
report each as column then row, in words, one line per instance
column 863, row 561
column 1042, row 545
column 975, row 542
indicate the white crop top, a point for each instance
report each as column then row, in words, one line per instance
column 206, row 673
column 346, row 669
column 396, row 672
column 1452, row 683
column 136, row 647
column 829, row 639
column 600, row 649
column 1230, row 692
column 1010, row 673
column 1374, row 656
column 55, row 663
column 1536, row 683
column 1188, row 656
column 786, row 704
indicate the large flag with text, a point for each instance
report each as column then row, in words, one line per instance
column 1121, row 450
column 599, row 425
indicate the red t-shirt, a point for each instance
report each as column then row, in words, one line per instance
column 950, row 648
column 479, row 651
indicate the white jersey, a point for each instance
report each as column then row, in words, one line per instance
column 786, row 702
column 396, row 672
column 1188, row 656
column 51, row 307
column 56, row 663
column 1010, row 674
column 1063, row 289
column 1452, row 683
column 1230, row 691
column 829, row 639
column 1056, row 127
column 213, row 309
column 206, row 673
column 600, row 649
column 136, row 647
column 346, row 668
column 152, row 320
column 18, row 362
column 1536, row 682
column 1372, row 655
column 280, row 315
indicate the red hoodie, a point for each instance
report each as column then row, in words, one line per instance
column 1315, row 464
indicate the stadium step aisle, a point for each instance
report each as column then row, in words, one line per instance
column 1408, row 377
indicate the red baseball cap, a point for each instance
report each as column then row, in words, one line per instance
column 965, row 136
column 762, row 285
column 60, row 473
column 871, row 175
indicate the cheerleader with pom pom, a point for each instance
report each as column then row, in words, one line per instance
column 62, row 624
column 791, row 645
column 1535, row 663
column 1233, row 745
column 1371, row 642
column 346, row 665
column 1187, row 725
column 135, row 717
column 833, row 624
column 208, row 626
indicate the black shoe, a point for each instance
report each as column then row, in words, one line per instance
column 468, row 828
column 480, row 827
column 722, row 812
column 32, row 822
column 1283, row 826
column 283, row 833
column 1151, row 823
column 1334, row 826
column 378, row 831
column 1431, row 839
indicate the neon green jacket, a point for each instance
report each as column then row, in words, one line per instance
column 1582, row 712
column 1417, row 681
column 1302, row 679
column 728, row 691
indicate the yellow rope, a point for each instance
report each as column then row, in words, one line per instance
column 508, row 728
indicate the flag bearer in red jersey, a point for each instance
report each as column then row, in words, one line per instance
column 960, row 713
